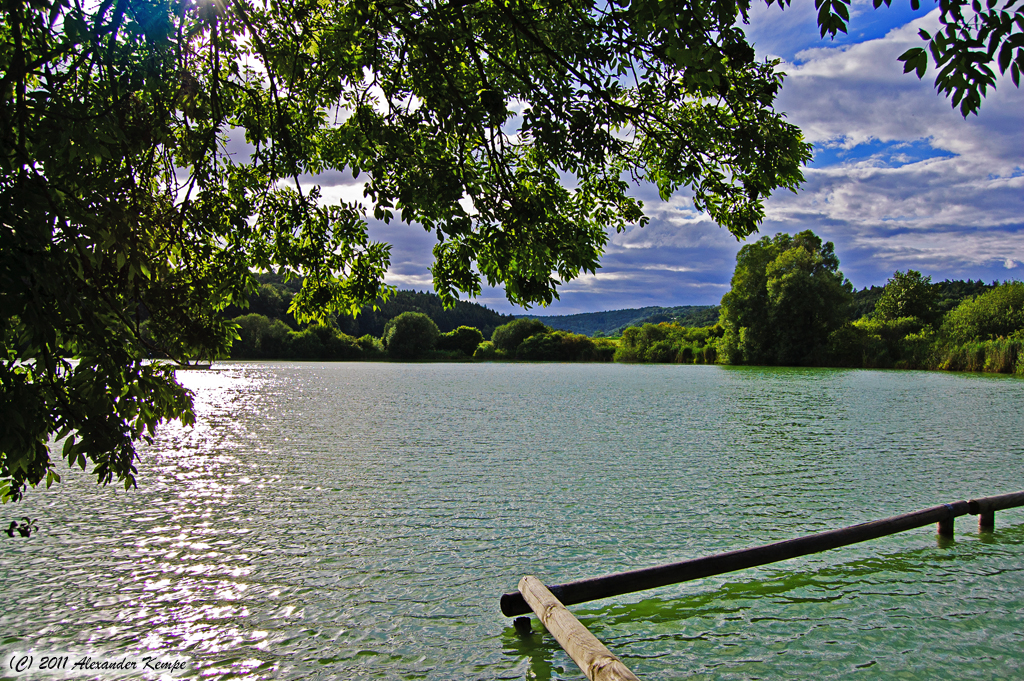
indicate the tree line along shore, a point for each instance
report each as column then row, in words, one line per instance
column 789, row 305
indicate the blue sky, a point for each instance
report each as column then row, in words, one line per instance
column 900, row 180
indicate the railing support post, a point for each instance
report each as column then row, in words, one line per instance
column 987, row 521
column 986, row 508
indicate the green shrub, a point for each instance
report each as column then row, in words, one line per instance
column 259, row 337
column 846, row 346
column 604, row 349
column 371, row 347
column 661, row 352
column 303, row 344
column 885, row 345
column 575, row 347
column 630, row 345
column 917, row 350
column 464, row 339
column 996, row 313
column 891, row 330
column 668, row 343
column 557, row 346
column 729, row 349
column 876, row 353
column 541, row 347
column 487, row 351
column 507, row 337
column 338, row 345
column 410, row 335
column 321, row 342
column 708, row 354
column 626, row 354
column 1003, row 355
column 262, row 338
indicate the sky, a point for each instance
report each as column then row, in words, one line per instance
column 900, row 180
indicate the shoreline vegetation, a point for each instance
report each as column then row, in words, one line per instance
column 789, row 306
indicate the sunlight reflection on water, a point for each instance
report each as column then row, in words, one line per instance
column 360, row 521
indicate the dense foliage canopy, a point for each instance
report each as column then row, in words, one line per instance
column 464, row 339
column 787, row 296
column 507, row 337
column 669, row 343
column 410, row 335
column 907, row 294
column 997, row 313
column 564, row 346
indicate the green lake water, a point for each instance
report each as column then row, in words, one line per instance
column 361, row 520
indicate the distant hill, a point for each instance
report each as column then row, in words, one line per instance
column 612, row 323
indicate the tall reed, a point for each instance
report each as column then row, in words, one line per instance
column 1002, row 356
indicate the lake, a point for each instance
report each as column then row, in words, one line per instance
column 361, row 520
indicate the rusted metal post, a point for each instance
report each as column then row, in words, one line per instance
column 987, row 521
column 946, row 524
column 986, row 507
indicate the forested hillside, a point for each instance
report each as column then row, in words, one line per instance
column 274, row 296
column 613, row 322
column 372, row 321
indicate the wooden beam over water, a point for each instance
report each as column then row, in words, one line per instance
column 596, row 661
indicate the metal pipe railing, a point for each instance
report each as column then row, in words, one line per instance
column 584, row 590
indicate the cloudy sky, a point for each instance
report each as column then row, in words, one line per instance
column 899, row 180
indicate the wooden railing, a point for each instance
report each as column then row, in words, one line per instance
column 596, row 661
column 544, row 601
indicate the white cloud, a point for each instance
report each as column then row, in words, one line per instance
column 854, row 94
column 958, row 213
column 934, row 193
column 338, row 193
column 669, row 268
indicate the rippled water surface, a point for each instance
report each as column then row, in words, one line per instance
column 358, row 520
